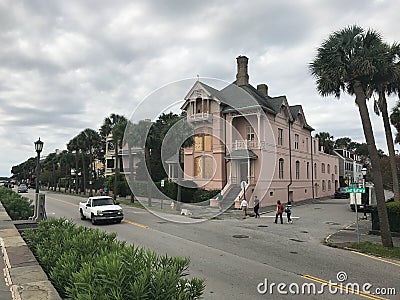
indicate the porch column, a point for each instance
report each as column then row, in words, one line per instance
column 169, row 171
column 248, row 170
column 259, row 129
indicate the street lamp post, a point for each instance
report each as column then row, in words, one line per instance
column 364, row 196
column 38, row 148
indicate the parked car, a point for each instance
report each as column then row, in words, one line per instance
column 22, row 188
column 32, row 185
column 341, row 193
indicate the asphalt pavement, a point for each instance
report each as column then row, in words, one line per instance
column 24, row 278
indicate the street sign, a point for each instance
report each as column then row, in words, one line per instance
column 162, row 183
column 355, row 190
column 243, row 184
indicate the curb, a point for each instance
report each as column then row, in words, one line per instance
column 22, row 273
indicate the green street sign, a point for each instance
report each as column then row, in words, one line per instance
column 355, row 190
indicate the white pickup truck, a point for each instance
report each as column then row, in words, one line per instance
column 101, row 208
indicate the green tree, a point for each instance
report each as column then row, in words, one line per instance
column 347, row 61
column 342, row 143
column 114, row 125
column 325, row 139
column 386, row 82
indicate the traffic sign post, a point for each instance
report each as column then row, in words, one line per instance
column 354, row 190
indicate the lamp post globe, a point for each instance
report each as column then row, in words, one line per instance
column 38, row 148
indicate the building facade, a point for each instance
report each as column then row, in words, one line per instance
column 350, row 167
column 243, row 135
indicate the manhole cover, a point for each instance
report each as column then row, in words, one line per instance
column 296, row 240
column 162, row 222
column 332, row 223
column 348, row 229
column 293, row 252
column 304, row 231
column 262, row 226
column 317, row 207
column 240, row 236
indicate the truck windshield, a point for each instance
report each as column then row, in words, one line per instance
column 103, row 201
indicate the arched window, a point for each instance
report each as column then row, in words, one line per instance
column 308, row 170
column 323, row 186
column 281, row 161
column 315, row 170
column 329, row 169
column 329, row 185
column 322, row 168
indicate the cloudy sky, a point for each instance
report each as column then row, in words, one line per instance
column 66, row 65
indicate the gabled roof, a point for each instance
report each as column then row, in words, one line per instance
column 298, row 114
column 210, row 92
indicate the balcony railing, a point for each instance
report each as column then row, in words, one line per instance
column 246, row 144
column 205, row 116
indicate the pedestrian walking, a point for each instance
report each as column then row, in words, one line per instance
column 288, row 211
column 243, row 207
column 279, row 212
column 219, row 201
column 256, row 206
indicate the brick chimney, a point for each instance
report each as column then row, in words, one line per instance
column 263, row 89
column 242, row 78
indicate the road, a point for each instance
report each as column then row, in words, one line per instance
column 236, row 256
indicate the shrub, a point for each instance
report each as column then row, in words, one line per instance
column 85, row 263
column 17, row 207
column 393, row 209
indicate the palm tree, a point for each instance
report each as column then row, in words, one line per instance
column 129, row 139
column 91, row 141
column 325, row 139
column 386, row 81
column 115, row 125
column 347, row 61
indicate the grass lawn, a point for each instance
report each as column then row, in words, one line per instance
column 377, row 249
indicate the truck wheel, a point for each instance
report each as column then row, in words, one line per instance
column 82, row 215
column 93, row 220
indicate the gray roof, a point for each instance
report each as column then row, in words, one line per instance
column 242, row 154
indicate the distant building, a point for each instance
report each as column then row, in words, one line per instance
column 349, row 167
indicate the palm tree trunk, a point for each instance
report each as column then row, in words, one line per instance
column 147, row 162
column 84, row 173
column 116, row 173
column 377, row 175
column 76, row 172
column 390, row 144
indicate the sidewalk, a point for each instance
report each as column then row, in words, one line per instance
column 23, row 276
column 346, row 236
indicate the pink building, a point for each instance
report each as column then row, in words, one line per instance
column 243, row 135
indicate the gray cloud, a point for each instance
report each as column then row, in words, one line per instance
column 65, row 65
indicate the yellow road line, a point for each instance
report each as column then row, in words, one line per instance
column 125, row 221
column 343, row 288
column 377, row 258
column 136, row 224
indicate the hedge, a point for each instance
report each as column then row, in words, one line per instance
column 85, row 263
column 17, row 207
column 393, row 209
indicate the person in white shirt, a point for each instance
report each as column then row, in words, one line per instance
column 243, row 207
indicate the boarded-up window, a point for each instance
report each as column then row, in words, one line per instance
column 198, row 143
column 208, row 167
column 197, row 167
column 207, row 143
